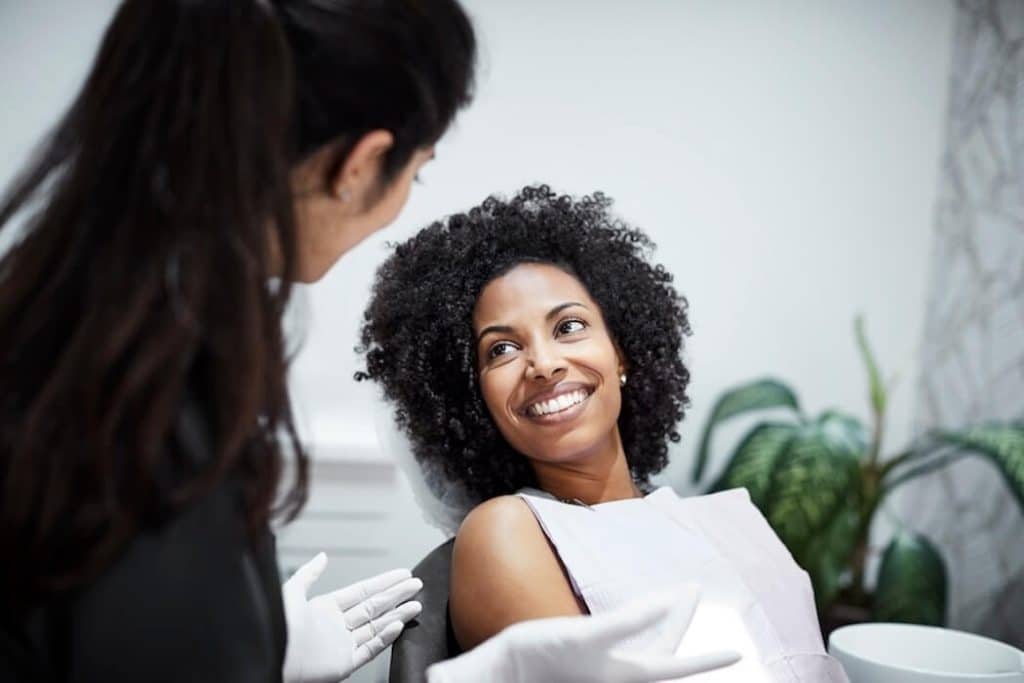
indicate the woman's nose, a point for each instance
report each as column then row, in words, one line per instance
column 544, row 364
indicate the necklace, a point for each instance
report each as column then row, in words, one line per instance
column 574, row 501
column 577, row 501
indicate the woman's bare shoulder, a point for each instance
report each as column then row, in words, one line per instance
column 504, row 571
column 507, row 516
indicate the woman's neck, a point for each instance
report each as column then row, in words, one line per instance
column 596, row 477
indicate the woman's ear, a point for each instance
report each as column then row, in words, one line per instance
column 358, row 177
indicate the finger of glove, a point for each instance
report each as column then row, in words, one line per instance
column 404, row 613
column 382, row 603
column 677, row 621
column 373, row 647
column 350, row 596
column 306, row 575
column 608, row 629
column 639, row 668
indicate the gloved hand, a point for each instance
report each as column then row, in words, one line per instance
column 334, row 634
column 581, row 649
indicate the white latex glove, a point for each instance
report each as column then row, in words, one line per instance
column 334, row 634
column 582, row 649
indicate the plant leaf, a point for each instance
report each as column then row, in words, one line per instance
column 813, row 506
column 844, row 431
column 826, row 557
column 754, row 460
column 757, row 395
column 1002, row 443
column 808, row 484
column 912, row 582
column 923, row 466
column 875, row 384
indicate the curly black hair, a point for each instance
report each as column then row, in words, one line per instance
column 419, row 342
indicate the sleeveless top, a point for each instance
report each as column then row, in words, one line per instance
column 754, row 597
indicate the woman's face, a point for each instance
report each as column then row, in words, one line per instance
column 549, row 371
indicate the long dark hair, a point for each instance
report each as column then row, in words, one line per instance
column 141, row 271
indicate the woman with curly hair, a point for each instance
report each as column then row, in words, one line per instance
column 533, row 355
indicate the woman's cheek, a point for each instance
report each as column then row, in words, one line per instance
column 496, row 390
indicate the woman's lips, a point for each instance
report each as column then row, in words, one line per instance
column 570, row 413
column 560, row 406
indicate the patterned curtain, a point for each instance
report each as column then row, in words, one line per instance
column 972, row 360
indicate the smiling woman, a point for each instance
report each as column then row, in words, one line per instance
column 460, row 310
column 533, row 352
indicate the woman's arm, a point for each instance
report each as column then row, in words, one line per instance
column 504, row 571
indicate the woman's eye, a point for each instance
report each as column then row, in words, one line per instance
column 500, row 349
column 570, row 326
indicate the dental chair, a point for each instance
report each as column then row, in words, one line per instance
column 429, row 638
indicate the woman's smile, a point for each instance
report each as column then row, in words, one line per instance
column 565, row 402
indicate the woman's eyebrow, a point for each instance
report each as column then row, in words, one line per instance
column 561, row 307
column 500, row 329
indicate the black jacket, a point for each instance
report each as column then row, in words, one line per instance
column 193, row 600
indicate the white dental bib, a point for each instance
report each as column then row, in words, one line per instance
column 754, row 597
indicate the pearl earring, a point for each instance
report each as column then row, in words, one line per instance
column 343, row 194
column 622, row 380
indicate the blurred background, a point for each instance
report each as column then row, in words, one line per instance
column 798, row 162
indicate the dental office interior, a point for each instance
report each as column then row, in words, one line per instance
column 838, row 189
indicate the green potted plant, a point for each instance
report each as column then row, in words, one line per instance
column 820, row 482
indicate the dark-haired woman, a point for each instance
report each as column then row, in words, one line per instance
column 218, row 151
column 545, row 379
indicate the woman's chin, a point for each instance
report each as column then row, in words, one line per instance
column 571, row 447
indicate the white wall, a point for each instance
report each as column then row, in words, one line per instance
column 46, row 49
column 784, row 155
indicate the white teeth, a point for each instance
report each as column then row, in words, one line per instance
column 557, row 404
